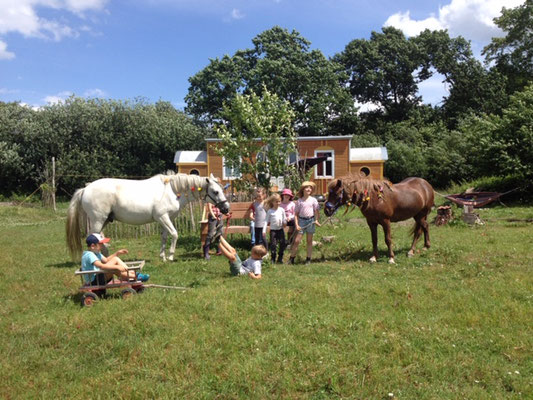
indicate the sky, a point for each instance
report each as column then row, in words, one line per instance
column 124, row 49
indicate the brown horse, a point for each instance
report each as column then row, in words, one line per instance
column 381, row 203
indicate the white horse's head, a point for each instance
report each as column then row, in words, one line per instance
column 215, row 194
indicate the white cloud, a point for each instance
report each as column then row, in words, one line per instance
column 95, row 93
column 8, row 91
column 472, row 19
column 57, row 98
column 4, row 54
column 21, row 16
column 236, row 14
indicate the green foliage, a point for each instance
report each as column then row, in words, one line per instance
column 257, row 137
column 513, row 53
column 282, row 63
column 505, row 144
column 471, row 87
column 91, row 139
column 385, row 70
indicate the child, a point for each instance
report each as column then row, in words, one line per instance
column 257, row 214
column 214, row 222
column 277, row 221
column 250, row 267
column 288, row 205
column 93, row 260
column 306, row 217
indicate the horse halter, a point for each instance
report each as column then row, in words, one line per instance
column 217, row 204
column 341, row 200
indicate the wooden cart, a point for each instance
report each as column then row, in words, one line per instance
column 92, row 292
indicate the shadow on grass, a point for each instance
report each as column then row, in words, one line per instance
column 352, row 255
column 109, row 295
column 66, row 264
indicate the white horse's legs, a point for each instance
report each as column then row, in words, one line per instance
column 164, row 234
column 168, row 227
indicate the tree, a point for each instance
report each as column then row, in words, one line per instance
column 385, row 70
column 505, row 142
column 281, row 62
column 91, row 139
column 513, row 53
column 472, row 88
column 257, row 137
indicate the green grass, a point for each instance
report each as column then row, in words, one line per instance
column 453, row 322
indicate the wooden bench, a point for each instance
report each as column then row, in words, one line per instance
column 238, row 212
column 237, row 215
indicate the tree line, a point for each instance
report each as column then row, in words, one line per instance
column 483, row 127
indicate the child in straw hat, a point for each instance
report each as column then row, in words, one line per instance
column 306, row 215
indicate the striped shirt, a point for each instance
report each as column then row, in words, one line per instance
column 307, row 208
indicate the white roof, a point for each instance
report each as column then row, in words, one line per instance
column 369, row 154
column 190, row 157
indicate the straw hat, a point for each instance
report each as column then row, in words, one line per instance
column 308, row 183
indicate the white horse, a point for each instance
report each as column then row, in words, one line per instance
column 158, row 198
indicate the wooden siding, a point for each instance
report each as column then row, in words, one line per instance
column 186, row 168
column 341, row 149
column 375, row 167
column 306, row 148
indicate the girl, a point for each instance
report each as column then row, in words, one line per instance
column 257, row 214
column 306, row 217
column 277, row 221
column 288, row 205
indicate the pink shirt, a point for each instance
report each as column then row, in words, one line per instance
column 307, row 208
column 289, row 209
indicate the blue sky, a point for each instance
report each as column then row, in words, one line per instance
column 51, row 49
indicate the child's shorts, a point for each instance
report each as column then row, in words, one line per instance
column 100, row 280
column 235, row 267
column 307, row 225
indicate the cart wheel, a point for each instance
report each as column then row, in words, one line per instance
column 128, row 292
column 88, row 299
column 140, row 289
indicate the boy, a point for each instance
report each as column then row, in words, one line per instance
column 252, row 265
column 93, row 260
column 215, row 226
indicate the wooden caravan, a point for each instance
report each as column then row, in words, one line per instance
column 339, row 159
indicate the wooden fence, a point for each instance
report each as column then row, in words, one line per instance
column 187, row 222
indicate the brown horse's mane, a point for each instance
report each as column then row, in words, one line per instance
column 371, row 185
column 373, row 188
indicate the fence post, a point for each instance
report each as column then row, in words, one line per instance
column 54, row 183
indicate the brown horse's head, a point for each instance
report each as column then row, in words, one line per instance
column 337, row 197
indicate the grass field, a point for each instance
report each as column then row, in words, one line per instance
column 453, row 322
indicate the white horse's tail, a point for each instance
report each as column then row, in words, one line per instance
column 76, row 225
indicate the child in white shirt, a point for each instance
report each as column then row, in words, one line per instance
column 251, row 266
column 277, row 220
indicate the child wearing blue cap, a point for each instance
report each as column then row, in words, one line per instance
column 93, row 260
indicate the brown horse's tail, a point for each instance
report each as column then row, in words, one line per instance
column 76, row 225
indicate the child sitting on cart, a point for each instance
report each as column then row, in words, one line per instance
column 93, row 260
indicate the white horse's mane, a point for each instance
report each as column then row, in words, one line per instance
column 184, row 183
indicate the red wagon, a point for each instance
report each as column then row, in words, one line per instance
column 92, row 293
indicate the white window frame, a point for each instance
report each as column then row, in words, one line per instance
column 232, row 176
column 332, row 159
